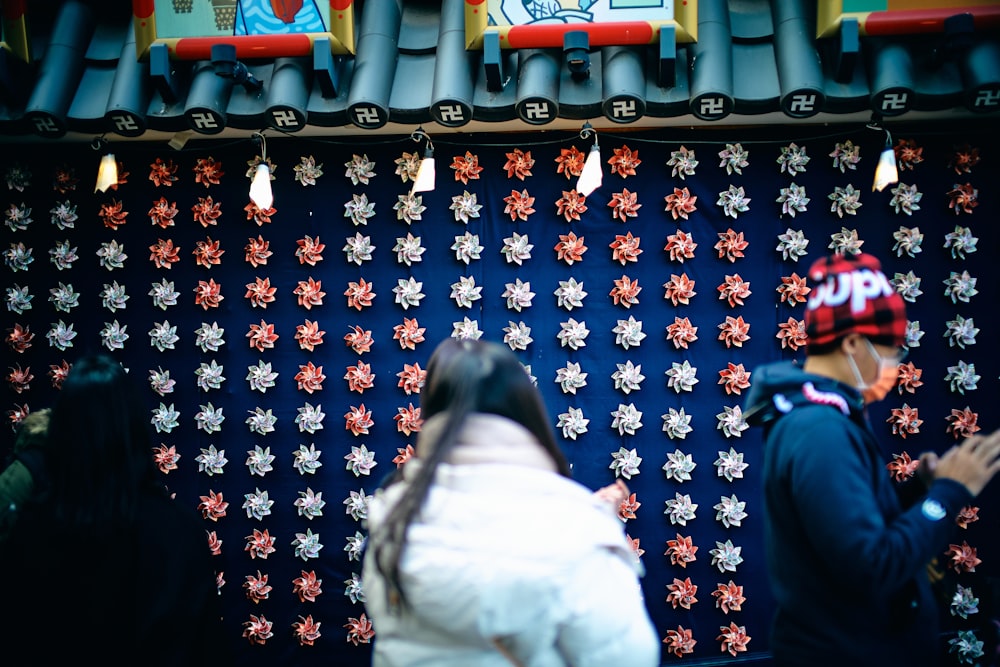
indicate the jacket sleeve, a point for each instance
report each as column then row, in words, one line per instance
column 607, row 621
column 834, row 486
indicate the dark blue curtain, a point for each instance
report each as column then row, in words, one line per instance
column 319, row 212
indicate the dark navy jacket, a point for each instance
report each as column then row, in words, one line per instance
column 847, row 561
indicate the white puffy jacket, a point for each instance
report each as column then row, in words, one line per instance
column 505, row 548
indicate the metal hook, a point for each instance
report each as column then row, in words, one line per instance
column 588, row 130
column 419, row 134
column 259, row 138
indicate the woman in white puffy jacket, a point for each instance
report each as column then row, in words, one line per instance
column 481, row 549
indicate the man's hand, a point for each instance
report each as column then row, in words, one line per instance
column 972, row 463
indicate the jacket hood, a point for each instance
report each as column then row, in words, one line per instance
column 779, row 386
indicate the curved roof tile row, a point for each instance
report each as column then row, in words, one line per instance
column 411, row 66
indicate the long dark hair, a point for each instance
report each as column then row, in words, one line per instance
column 463, row 377
column 99, row 449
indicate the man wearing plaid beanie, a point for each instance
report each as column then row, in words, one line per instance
column 847, row 547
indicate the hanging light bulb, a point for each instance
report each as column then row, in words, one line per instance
column 107, row 170
column 592, row 175
column 886, row 171
column 260, row 186
column 424, row 182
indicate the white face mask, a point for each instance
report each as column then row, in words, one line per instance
column 888, row 372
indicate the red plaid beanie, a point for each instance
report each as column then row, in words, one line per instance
column 851, row 294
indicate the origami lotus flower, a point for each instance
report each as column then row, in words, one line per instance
column 212, row 506
column 261, row 377
column 913, row 334
column 359, row 209
column 409, row 333
column 681, row 551
column 309, row 419
column 257, row 252
column 572, row 423
column 307, row 545
column 908, row 154
column 62, row 255
column 734, row 290
column 573, row 334
column 682, row 593
column 519, row 164
column 359, row 294
column 262, row 336
column 306, row 459
column 466, row 329
column 467, row 247
column 358, row 249
column 257, row 504
column 735, row 378
column 960, row 287
column 624, row 205
column 966, row 515
column 518, row 295
column 730, row 511
column 466, row 167
column 734, row 638
column 628, row 507
column 403, row 455
column 734, row 331
column 676, row 424
column 730, row 465
column 963, row 198
column 517, row 336
column 681, row 376
column 257, row 588
column 628, row 333
column 905, row 198
column 309, row 250
column 64, row 215
column 905, row 421
column 358, row 420
column 792, row 245
column 20, row 379
column 211, row 461
column 306, row 630
column 360, row 169
column 964, row 603
column 570, row 378
column 259, row 460
column 166, row 458
column 845, row 242
column 309, row 293
column 465, row 207
column 679, row 466
column 626, row 420
column 63, row 298
column 570, row 162
column 113, row 296
column 310, row 504
column 570, row 294
column 113, row 214
column 731, row 245
column 902, row 467
column 846, row 201
column 19, row 299
column 682, row 162
column 310, row 378
column 624, row 161
column 209, row 418
column 360, row 461
column 407, row 166
column 961, row 332
column 963, row 423
column 465, row 291
column 680, row 509
column 357, row 505
column 908, row 241
column 163, row 335
column 628, row 377
column 731, row 421
column 682, row 332
column 260, row 544
column 960, row 242
column 409, row 207
column 679, row 289
column 725, row 556
column 411, row 378
column 907, row 285
column 359, row 630
column 680, row 641
column 360, row 377
column 966, row 646
column 519, row 206
column 516, row 249
column 257, row 630
column 680, row 203
column 18, row 257
column 962, row 377
column 571, row 205
column 964, row 159
column 58, row 374
column 733, row 201
column 408, row 249
column 60, row 336
column 625, row 462
column 963, row 557
column 570, row 248
column 793, row 199
column 680, row 246
column 793, row 289
column 625, row 248
column 625, row 292
column 728, row 597
column 408, row 420
column 208, row 253
column 160, row 382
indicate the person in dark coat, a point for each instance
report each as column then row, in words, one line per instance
column 846, row 555
column 102, row 564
